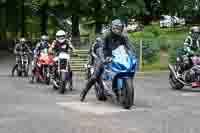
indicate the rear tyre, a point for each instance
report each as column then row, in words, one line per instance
column 127, row 95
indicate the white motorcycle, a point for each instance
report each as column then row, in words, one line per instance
column 63, row 73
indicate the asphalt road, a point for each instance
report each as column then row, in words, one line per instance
column 37, row 108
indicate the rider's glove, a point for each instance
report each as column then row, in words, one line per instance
column 107, row 60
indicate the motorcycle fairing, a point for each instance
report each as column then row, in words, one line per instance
column 123, row 66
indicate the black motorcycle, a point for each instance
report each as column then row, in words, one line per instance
column 23, row 64
column 191, row 73
column 63, row 74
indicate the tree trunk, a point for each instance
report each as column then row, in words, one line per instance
column 99, row 27
column 3, row 22
column 75, row 31
column 44, row 22
column 22, row 19
column 99, row 18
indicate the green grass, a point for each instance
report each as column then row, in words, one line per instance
column 155, row 66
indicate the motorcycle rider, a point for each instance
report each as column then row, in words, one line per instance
column 110, row 41
column 191, row 45
column 93, row 50
column 58, row 44
column 39, row 47
column 20, row 47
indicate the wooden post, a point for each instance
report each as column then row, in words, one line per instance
column 141, row 60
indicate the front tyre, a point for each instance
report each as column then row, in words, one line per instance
column 19, row 73
column 174, row 83
column 62, row 84
column 46, row 76
column 127, row 95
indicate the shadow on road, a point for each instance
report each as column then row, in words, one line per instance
column 191, row 90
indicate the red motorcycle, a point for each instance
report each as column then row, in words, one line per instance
column 44, row 68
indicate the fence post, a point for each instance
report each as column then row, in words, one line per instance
column 141, row 60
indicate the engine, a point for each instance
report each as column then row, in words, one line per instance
column 192, row 74
column 187, row 76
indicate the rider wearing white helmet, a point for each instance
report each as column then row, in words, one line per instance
column 60, row 36
column 60, row 41
column 61, row 44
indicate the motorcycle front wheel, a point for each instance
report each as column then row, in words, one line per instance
column 174, row 83
column 19, row 72
column 62, row 85
column 127, row 94
column 26, row 67
column 46, row 75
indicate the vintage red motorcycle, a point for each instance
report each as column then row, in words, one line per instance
column 44, row 68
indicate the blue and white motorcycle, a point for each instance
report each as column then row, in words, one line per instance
column 118, row 77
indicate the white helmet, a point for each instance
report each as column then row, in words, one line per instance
column 60, row 36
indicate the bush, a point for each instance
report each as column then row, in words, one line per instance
column 174, row 51
column 150, row 49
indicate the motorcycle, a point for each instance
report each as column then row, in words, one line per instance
column 178, row 82
column 44, row 68
column 118, row 77
column 63, row 73
column 23, row 64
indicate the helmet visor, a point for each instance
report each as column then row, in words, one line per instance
column 116, row 29
column 60, row 37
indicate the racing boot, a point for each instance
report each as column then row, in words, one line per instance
column 71, row 81
column 104, row 93
column 84, row 92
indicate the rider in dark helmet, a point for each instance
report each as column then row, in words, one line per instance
column 39, row 47
column 110, row 41
column 93, row 54
column 20, row 47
